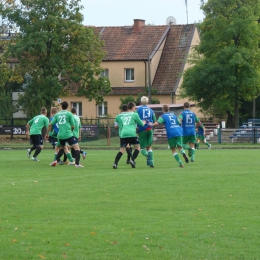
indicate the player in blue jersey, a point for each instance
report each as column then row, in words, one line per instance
column 200, row 135
column 189, row 120
column 174, row 133
column 146, row 131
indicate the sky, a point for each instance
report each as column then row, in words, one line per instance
column 154, row 12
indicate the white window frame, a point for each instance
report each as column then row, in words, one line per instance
column 78, row 106
column 104, row 110
column 131, row 74
column 105, row 73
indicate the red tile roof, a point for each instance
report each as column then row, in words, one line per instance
column 122, row 43
column 173, row 58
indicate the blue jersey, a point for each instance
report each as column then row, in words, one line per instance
column 172, row 125
column 146, row 113
column 55, row 127
column 189, row 120
column 200, row 131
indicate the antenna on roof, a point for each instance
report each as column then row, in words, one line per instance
column 170, row 20
column 186, row 10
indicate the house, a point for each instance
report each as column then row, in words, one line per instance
column 140, row 56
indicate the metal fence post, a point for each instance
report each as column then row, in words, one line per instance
column 219, row 135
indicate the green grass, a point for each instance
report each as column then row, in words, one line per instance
column 207, row 210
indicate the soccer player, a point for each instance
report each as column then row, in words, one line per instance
column 174, row 133
column 146, row 131
column 188, row 121
column 53, row 134
column 119, row 125
column 77, row 132
column 34, row 128
column 66, row 124
column 201, row 137
column 128, row 135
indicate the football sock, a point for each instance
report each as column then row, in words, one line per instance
column 135, row 154
column 144, row 152
column 128, row 157
column 73, row 152
column 118, row 156
column 64, row 158
column 77, row 156
column 69, row 156
column 192, row 154
column 150, row 157
column 55, row 157
column 37, row 151
column 128, row 150
column 60, row 153
column 207, row 144
column 197, row 145
column 177, row 158
column 32, row 148
column 182, row 151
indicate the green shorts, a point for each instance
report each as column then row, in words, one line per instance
column 201, row 137
column 189, row 139
column 146, row 138
column 175, row 142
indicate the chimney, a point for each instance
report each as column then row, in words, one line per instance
column 138, row 23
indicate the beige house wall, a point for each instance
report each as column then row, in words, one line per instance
column 116, row 73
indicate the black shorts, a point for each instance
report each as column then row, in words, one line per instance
column 53, row 141
column 71, row 141
column 36, row 140
column 128, row 140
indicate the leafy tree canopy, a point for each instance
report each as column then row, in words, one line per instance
column 61, row 55
column 227, row 60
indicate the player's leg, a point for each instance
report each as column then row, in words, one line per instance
column 38, row 143
column 178, row 142
column 172, row 142
column 205, row 142
column 29, row 151
column 192, row 141
column 123, row 144
column 149, row 141
column 143, row 144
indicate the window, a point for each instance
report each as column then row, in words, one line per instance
column 78, row 106
column 129, row 75
column 104, row 73
column 102, row 109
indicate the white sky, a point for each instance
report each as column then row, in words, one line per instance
column 155, row 12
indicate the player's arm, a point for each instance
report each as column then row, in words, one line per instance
column 27, row 128
column 159, row 122
column 180, row 118
column 139, row 121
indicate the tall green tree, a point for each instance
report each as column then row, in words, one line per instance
column 226, row 63
column 60, row 54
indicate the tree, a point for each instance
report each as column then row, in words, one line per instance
column 227, row 60
column 60, row 54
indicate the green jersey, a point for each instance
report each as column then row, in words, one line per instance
column 65, row 120
column 118, row 122
column 77, row 128
column 37, row 123
column 129, row 121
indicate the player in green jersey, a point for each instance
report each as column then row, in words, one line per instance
column 34, row 129
column 119, row 125
column 128, row 135
column 77, row 132
column 66, row 124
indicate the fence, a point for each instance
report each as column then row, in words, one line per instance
column 92, row 129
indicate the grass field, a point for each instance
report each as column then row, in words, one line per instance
column 208, row 210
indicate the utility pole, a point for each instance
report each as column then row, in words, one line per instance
column 149, row 80
column 186, row 10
